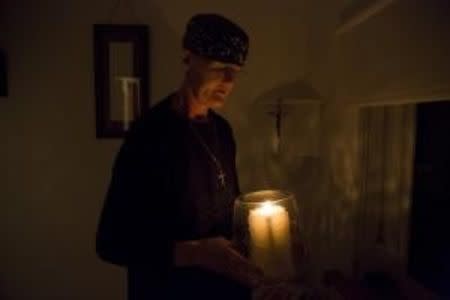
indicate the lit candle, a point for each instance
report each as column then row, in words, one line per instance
column 126, row 104
column 270, row 240
column 130, row 90
column 125, row 82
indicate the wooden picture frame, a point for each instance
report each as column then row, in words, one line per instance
column 121, row 77
column 3, row 74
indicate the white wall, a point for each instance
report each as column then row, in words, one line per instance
column 403, row 52
column 400, row 55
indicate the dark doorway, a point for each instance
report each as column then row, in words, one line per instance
column 429, row 252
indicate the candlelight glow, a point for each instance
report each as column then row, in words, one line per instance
column 270, row 239
column 267, row 209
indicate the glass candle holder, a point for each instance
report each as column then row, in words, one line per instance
column 266, row 230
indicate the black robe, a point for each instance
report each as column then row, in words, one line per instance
column 164, row 189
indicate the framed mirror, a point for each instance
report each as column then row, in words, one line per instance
column 121, row 77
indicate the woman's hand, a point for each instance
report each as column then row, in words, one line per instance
column 278, row 291
column 218, row 255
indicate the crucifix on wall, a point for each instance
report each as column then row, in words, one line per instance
column 294, row 125
column 277, row 113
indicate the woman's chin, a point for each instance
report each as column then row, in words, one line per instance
column 217, row 102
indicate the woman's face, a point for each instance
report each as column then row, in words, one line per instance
column 210, row 81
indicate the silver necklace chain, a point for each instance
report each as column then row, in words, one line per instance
column 220, row 172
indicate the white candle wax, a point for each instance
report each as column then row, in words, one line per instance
column 131, row 94
column 270, row 240
column 126, row 104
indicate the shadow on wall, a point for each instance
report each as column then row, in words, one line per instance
column 276, row 149
column 298, row 89
column 294, row 162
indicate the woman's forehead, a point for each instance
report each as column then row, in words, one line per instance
column 220, row 64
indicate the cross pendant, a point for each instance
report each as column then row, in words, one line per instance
column 221, row 178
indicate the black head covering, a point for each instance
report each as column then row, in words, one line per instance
column 215, row 37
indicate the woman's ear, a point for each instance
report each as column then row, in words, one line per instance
column 187, row 57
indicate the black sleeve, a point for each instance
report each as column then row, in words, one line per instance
column 135, row 228
column 233, row 150
column 235, row 174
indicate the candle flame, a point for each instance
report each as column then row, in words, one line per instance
column 267, row 208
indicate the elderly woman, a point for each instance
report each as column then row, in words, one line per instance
column 167, row 214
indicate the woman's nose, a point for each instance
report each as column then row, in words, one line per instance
column 229, row 75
